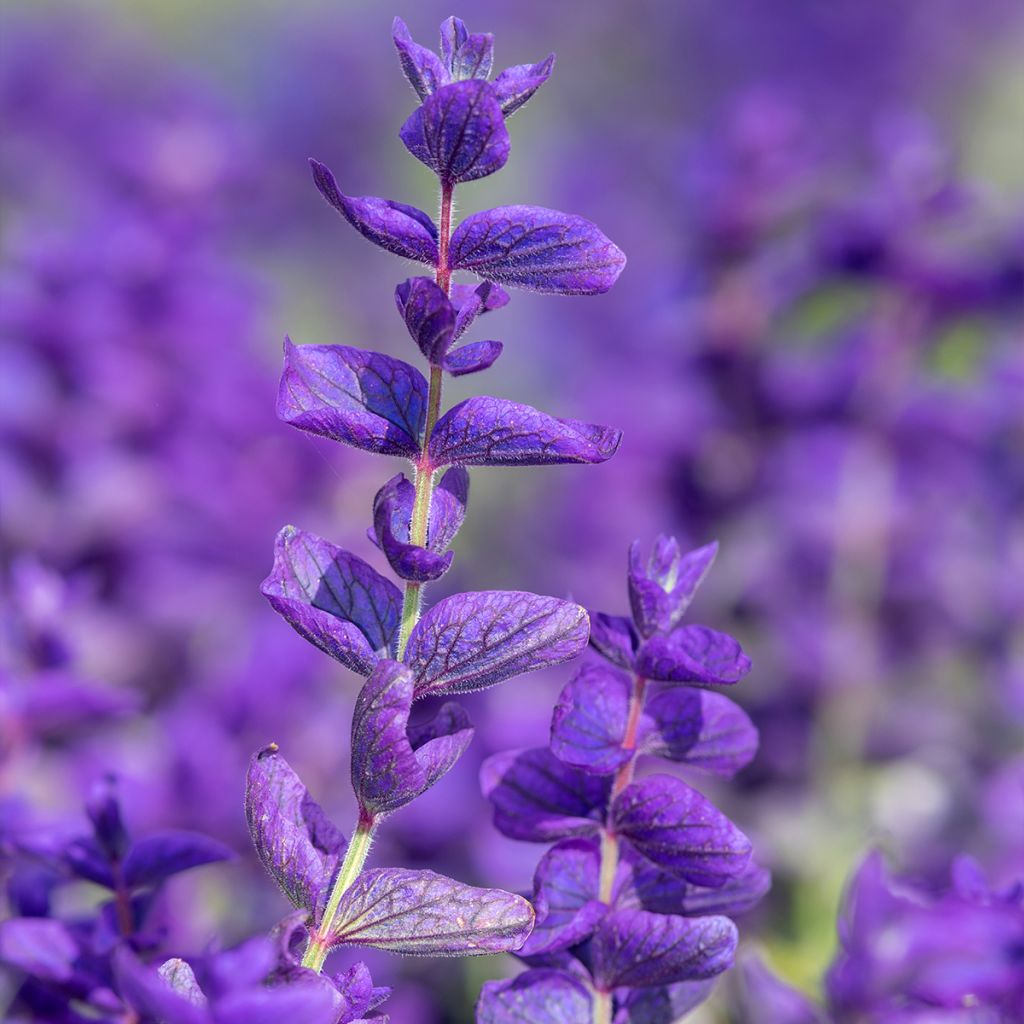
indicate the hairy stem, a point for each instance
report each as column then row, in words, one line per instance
column 355, row 857
column 602, row 1003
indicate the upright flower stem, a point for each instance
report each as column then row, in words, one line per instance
column 602, row 1003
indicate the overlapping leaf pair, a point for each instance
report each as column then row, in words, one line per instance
column 632, row 901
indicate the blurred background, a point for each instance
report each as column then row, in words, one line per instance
column 815, row 353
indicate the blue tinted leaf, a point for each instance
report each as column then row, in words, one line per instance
column 534, row 997
column 588, row 726
column 154, row 859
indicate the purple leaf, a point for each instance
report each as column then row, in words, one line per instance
column 422, row 67
column 86, row 859
column 459, row 132
column 635, row 948
column 150, row 995
column 429, row 316
column 517, row 84
column 104, row 811
column 40, row 947
column 453, row 34
column 666, row 1004
column 676, row 828
column 703, row 729
column 767, row 1000
column 661, row 590
column 391, row 764
column 312, row 1002
column 363, row 399
column 448, row 508
column 534, row 997
column 156, row 858
column 537, row 249
column 469, row 641
column 472, row 301
column 539, row 799
column 333, row 599
column 693, row 654
column 466, row 55
column 396, row 227
column 423, row 913
column 485, row 431
column 392, row 512
column 614, row 637
column 294, row 839
column 472, row 358
column 589, row 722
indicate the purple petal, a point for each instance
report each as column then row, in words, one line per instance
column 589, row 722
column 396, row 227
column 156, row 858
column 38, row 946
column 614, row 637
column 333, row 599
column 537, row 249
column 699, row 728
column 294, row 839
column 364, row 399
column 469, row 641
column 539, row 799
column 150, row 995
column 459, row 132
column 661, row 589
column 517, row 84
column 473, row 301
column 635, row 948
column 534, row 997
column 429, row 316
column 678, row 829
column 423, row 913
column 472, row 358
column 392, row 511
column 422, row 67
column 667, row 1004
column 693, row 654
column 485, row 431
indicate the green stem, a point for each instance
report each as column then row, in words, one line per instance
column 602, row 1003
column 355, row 857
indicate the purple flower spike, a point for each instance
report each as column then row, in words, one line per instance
column 537, row 249
column 465, row 54
column 472, row 358
column 679, row 830
column 517, row 84
column 693, row 654
column 459, row 132
column 426, row 914
column 422, row 67
column 392, row 512
column 536, row 997
column 470, row 641
column 429, row 316
column 333, row 599
column 667, row 1004
column 485, row 431
column 700, row 728
column 363, row 399
column 472, row 301
column 539, row 799
column 392, row 765
column 589, row 722
column 661, row 590
column 635, row 948
column 296, row 842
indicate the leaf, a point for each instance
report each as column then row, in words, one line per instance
column 422, row 67
column 614, row 638
column 661, row 589
column 181, row 978
column 483, row 431
column 40, row 947
column 151, row 995
column 472, row 358
column 472, row 301
column 663, row 1004
column 363, row 399
column 540, row 996
column 333, row 599
column 459, row 132
column 156, row 858
column 469, row 641
column 538, row 799
column 635, row 948
column 466, row 55
column 426, row 914
column 429, row 316
column 295, row 841
column 517, row 84
column 392, row 512
column 537, row 249
column 679, row 830
column 767, row 1000
column 693, row 654
column 588, row 726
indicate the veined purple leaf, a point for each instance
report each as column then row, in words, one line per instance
column 661, row 589
column 469, row 641
column 588, row 726
column 472, row 301
column 426, row 914
column 663, row 1004
column 539, row 799
column 398, row 228
column 392, row 512
column 448, row 508
column 466, row 55
column 472, row 358
column 333, row 599
column 422, row 67
column 483, row 431
column 156, row 858
column 39, row 946
column 392, row 765
column 635, row 948
column 517, row 84
column 429, row 316
column 540, row 996
column 614, row 638
column 680, row 830
column 700, row 728
column 459, row 132
column 363, row 399
column 453, row 34
column 295, row 841
column 537, row 249
column 693, row 654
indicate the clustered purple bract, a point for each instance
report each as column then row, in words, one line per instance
column 632, row 899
